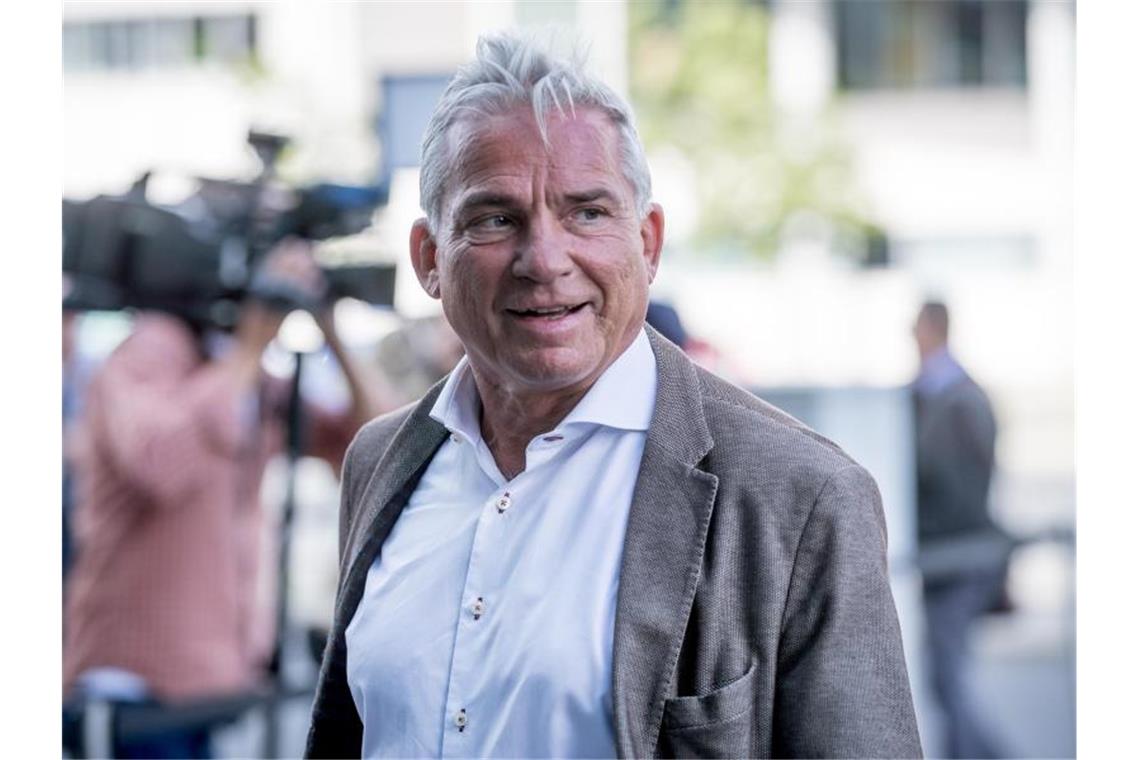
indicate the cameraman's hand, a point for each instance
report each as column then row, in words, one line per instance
column 288, row 278
column 288, row 268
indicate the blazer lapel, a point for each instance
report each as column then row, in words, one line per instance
column 664, row 547
column 389, row 487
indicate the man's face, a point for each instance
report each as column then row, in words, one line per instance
column 926, row 336
column 541, row 259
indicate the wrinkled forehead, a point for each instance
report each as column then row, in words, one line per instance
column 476, row 140
column 482, row 145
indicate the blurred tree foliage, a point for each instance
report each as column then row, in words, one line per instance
column 699, row 83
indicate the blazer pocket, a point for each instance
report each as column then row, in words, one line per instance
column 717, row 724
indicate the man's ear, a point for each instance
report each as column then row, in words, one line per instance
column 423, row 250
column 653, row 238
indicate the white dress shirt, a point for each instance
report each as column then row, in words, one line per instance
column 487, row 620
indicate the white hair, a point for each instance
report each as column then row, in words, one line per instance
column 509, row 71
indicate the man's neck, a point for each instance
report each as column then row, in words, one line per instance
column 508, row 421
column 935, row 357
column 929, row 353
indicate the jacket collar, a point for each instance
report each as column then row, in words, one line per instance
column 391, row 483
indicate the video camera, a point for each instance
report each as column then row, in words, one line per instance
column 197, row 259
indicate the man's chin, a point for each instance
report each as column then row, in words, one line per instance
column 554, row 376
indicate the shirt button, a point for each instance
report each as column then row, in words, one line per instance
column 454, row 438
column 461, row 719
column 478, row 608
column 504, row 502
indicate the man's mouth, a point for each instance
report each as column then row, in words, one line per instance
column 548, row 312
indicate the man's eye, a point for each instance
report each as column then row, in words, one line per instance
column 491, row 223
column 490, row 228
column 589, row 214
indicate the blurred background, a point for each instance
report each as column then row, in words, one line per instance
column 825, row 169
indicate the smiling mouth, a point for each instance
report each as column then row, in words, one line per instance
column 553, row 312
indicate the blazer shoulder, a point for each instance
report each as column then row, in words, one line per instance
column 741, row 421
column 379, row 430
column 369, row 444
column 368, row 447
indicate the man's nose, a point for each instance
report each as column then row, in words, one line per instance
column 545, row 251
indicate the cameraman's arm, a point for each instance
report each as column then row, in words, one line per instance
column 370, row 396
column 370, row 393
column 256, row 327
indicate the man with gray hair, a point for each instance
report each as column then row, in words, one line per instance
column 580, row 544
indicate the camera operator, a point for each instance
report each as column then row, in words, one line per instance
column 178, row 427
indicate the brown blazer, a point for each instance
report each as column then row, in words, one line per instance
column 754, row 614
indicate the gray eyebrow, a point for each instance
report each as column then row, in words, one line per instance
column 586, row 196
column 486, row 198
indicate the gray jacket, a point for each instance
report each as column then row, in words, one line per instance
column 754, row 614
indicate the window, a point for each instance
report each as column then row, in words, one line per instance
column 408, row 105
column 141, row 44
column 905, row 44
column 227, row 38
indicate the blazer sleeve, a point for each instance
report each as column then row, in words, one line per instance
column 841, row 686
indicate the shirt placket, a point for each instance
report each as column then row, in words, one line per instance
column 464, row 727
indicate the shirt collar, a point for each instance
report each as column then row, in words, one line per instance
column 457, row 406
column 622, row 397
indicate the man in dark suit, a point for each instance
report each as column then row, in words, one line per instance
column 962, row 552
column 580, row 543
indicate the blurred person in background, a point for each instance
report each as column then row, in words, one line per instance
column 76, row 372
column 963, row 554
column 665, row 319
column 417, row 355
column 180, row 421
